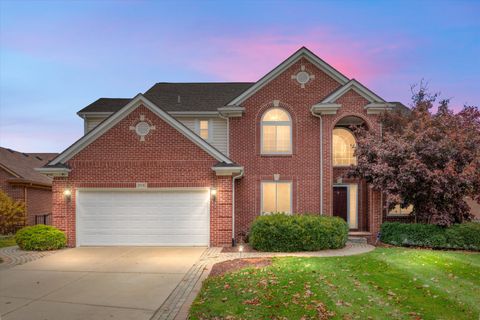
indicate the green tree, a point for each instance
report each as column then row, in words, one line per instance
column 430, row 160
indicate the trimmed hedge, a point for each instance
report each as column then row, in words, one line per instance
column 40, row 237
column 460, row 236
column 289, row 233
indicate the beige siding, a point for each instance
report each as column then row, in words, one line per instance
column 219, row 134
column 91, row 123
column 217, row 131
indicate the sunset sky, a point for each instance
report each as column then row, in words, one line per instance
column 58, row 56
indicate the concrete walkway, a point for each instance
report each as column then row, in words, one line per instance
column 13, row 256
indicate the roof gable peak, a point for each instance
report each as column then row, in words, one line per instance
column 358, row 88
column 303, row 52
column 115, row 118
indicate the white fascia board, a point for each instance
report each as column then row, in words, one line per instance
column 227, row 171
column 193, row 113
column 376, row 108
column 94, row 114
column 54, row 172
column 122, row 113
column 231, row 111
column 303, row 52
column 325, row 108
column 357, row 87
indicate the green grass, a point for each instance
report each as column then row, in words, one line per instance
column 7, row 242
column 388, row 283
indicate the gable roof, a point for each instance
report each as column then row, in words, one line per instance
column 302, row 52
column 22, row 165
column 105, row 105
column 121, row 114
column 357, row 87
column 178, row 97
column 207, row 96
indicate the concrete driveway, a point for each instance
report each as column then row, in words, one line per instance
column 94, row 283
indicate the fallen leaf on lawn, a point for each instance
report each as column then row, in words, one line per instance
column 308, row 294
column 254, row 302
column 391, row 293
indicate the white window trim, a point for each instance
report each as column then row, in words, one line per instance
column 343, row 165
column 276, row 182
column 197, row 128
column 276, row 123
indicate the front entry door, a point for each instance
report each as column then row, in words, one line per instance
column 340, row 204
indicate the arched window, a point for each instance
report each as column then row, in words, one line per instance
column 343, row 147
column 276, row 136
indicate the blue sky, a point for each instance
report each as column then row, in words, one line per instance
column 58, row 56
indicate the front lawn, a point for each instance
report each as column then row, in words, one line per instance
column 388, row 283
column 7, row 241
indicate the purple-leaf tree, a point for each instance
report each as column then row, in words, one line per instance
column 429, row 160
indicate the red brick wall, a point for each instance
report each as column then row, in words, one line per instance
column 118, row 159
column 303, row 166
column 39, row 202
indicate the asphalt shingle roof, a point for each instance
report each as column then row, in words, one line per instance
column 24, row 164
column 169, row 96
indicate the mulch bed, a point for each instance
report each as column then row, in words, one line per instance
column 221, row 268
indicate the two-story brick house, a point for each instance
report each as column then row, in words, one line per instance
column 195, row 163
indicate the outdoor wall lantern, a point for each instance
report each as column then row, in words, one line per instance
column 213, row 193
column 67, row 193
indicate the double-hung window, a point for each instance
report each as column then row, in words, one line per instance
column 203, row 129
column 276, row 196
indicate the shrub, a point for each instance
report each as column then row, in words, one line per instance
column 459, row 236
column 464, row 236
column 40, row 238
column 12, row 213
column 288, row 233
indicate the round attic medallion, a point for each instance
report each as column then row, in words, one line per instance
column 142, row 128
column 302, row 77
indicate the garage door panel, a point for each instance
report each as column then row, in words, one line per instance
column 143, row 218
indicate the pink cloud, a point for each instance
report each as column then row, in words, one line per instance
column 249, row 58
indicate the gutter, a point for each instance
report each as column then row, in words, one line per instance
column 321, row 159
column 233, row 205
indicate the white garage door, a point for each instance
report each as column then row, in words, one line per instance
column 163, row 218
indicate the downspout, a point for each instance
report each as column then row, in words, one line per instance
column 321, row 160
column 233, row 206
column 233, row 178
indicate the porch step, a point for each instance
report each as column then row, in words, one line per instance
column 357, row 239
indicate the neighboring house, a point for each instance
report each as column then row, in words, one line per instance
column 195, row 163
column 474, row 208
column 21, row 182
